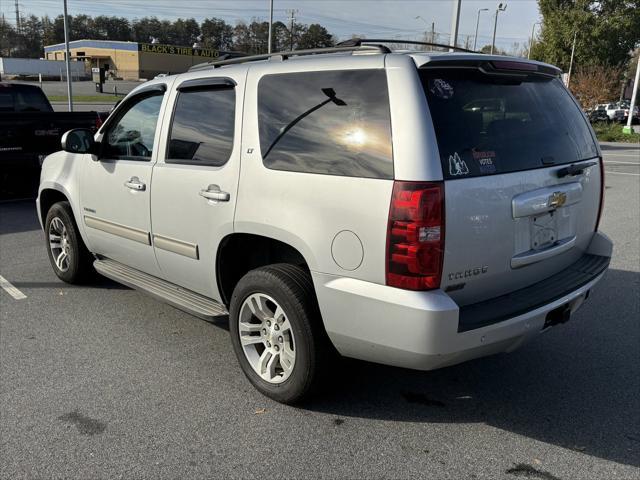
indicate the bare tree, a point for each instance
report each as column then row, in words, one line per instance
column 596, row 84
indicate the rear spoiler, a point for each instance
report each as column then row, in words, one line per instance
column 497, row 66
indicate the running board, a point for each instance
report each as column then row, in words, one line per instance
column 167, row 292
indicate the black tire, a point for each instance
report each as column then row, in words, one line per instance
column 291, row 287
column 80, row 261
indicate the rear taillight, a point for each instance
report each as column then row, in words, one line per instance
column 415, row 236
column 601, row 193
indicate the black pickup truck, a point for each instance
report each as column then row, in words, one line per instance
column 29, row 131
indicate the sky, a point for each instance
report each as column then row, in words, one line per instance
column 373, row 18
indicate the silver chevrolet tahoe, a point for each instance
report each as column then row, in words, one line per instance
column 410, row 209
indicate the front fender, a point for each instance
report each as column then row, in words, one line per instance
column 61, row 172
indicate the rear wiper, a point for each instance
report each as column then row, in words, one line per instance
column 574, row 169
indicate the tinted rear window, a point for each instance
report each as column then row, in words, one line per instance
column 6, row 102
column 487, row 124
column 31, row 100
column 334, row 122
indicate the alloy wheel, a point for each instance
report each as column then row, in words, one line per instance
column 267, row 338
column 59, row 244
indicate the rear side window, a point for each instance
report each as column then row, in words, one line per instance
column 31, row 100
column 486, row 124
column 202, row 128
column 6, row 102
column 333, row 123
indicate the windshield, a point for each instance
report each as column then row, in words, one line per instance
column 489, row 124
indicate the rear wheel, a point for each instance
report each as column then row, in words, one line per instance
column 277, row 332
column 70, row 259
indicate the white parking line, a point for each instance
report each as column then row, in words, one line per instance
column 11, row 290
column 636, row 155
column 607, row 162
column 609, row 172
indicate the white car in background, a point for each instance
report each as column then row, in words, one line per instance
column 626, row 107
column 614, row 112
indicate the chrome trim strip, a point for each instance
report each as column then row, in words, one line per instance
column 536, row 202
column 533, row 256
column 176, row 246
column 119, row 230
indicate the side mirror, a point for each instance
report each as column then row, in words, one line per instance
column 79, row 140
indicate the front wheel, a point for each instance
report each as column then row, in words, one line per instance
column 277, row 332
column 70, row 259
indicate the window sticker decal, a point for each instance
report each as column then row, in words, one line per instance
column 457, row 166
column 441, row 89
column 486, row 161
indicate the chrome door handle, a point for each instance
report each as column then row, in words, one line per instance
column 213, row 192
column 134, row 183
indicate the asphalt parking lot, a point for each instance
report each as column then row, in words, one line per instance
column 101, row 381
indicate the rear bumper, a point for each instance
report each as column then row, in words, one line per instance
column 420, row 330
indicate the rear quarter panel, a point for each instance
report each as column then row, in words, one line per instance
column 305, row 210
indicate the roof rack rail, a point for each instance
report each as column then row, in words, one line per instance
column 357, row 42
column 286, row 55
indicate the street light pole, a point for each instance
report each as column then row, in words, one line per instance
column 634, row 97
column 270, row 25
column 501, row 8
column 573, row 51
column 419, row 17
column 475, row 39
column 67, row 56
column 455, row 22
column 533, row 29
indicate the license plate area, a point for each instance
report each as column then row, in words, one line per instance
column 543, row 230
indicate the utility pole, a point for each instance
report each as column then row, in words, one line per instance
column 455, row 23
column 18, row 31
column 533, row 29
column 634, row 97
column 475, row 39
column 270, row 25
column 501, row 8
column 433, row 34
column 18, row 25
column 2, row 35
column 624, row 87
column 67, row 56
column 292, row 14
column 2, row 27
column 573, row 51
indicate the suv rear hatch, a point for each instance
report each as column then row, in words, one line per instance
column 522, row 177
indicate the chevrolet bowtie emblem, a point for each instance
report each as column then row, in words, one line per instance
column 557, row 199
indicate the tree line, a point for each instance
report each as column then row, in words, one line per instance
column 607, row 34
column 607, row 44
column 34, row 33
